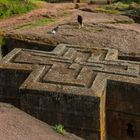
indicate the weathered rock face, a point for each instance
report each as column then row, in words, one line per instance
column 17, row 125
column 123, row 110
column 85, row 89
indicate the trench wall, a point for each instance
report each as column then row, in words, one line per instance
column 122, row 111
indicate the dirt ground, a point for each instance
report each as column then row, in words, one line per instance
column 100, row 29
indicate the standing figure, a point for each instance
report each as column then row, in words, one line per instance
column 80, row 21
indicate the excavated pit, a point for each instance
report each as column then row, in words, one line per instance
column 122, row 111
column 130, row 57
column 11, row 43
column 64, row 83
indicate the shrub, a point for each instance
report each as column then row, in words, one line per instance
column 128, row 1
column 59, row 129
column 9, row 8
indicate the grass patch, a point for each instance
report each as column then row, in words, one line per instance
column 132, row 10
column 43, row 21
column 123, row 21
column 109, row 11
column 128, row 1
column 65, row 14
column 1, row 41
column 12, row 7
column 115, row 8
column 38, row 3
column 37, row 23
column 59, row 129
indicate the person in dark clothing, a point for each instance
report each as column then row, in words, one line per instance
column 80, row 21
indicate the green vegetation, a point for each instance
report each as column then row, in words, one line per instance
column 59, row 129
column 41, row 22
column 123, row 21
column 1, row 41
column 106, row 10
column 132, row 9
column 115, row 8
column 128, row 1
column 65, row 14
column 12, row 7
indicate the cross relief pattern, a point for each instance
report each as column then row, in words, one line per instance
column 69, row 66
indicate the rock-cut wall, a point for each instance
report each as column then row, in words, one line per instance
column 85, row 89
